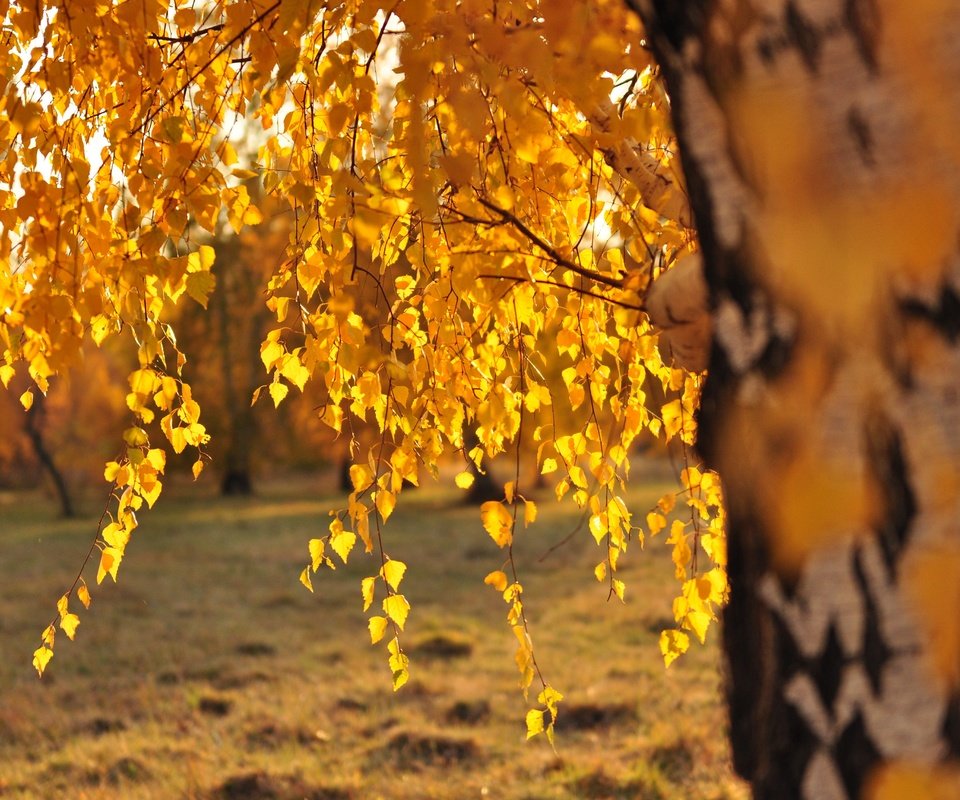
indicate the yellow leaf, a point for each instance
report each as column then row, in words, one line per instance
column 270, row 353
column 549, row 465
column 550, row 697
column 83, row 594
column 598, row 527
column 378, row 626
column 115, row 535
column 197, row 468
column 6, row 373
column 342, row 543
column 673, row 644
column 464, row 480
column 699, row 623
column 386, row 501
column 367, row 586
column 619, row 588
column 109, row 563
column 135, row 437
column 397, row 608
column 278, row 391
column 578, row 477
column 199, row 285
column 667, row 502
column 393, row 572
column 363, row 528
column 398, row 663
column 529, row 512
column 656, row 522
column 41, row 657
column 497, row 521
column 295, row 372
column 157, row 459
column 26, row 400
column 305, row 578
column 361, row 476
column 600, row 571
column 316, row 553
column 497, row 579
column 534, row 722
column 69, row 623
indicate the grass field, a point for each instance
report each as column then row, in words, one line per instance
column 209, row 672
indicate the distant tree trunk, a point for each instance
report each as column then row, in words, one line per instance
column 33, row 428
column 233, row 302
column 343, row 473
column 819, row 146
column 484, row 487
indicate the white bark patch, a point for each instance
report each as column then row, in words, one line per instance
column 822, row 779
column 709, row 148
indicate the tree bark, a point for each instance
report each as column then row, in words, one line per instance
column 818, row 141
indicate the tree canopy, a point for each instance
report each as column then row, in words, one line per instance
column 477, row 196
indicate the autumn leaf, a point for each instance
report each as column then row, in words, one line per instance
column 396, row 608
column 385, row 502
column 69, row 623
column 497, row 579
column 673, row 644
column 316, row 547
column 498, row 522
column 41, row 657
column 342, row 543
column 393, row 572
column 367, row 586
column 361, row 476
column 534, row 722
column 305, row 578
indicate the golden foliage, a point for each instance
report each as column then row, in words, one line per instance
column 497, row 176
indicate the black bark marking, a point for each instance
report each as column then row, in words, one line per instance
column 875, row 653
column 796, row 745
column 945, row 316
column 951, row 728
column 775, row 356
column 767, row 48
column 863, row 21
column 804, row 36
column 749, row 633
column 827, row 669
column 862, row 135
column 888, row 468
column 679, row 22
column 855, row 755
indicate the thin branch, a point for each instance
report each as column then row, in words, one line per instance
column 547, row 248
column 523, row 279
column 185, row 38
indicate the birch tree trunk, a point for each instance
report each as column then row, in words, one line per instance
column 820, row 142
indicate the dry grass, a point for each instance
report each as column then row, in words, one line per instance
column 208, row 672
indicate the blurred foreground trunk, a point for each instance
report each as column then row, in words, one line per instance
column 820, row 150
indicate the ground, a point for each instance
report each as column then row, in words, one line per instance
column 209, row 672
